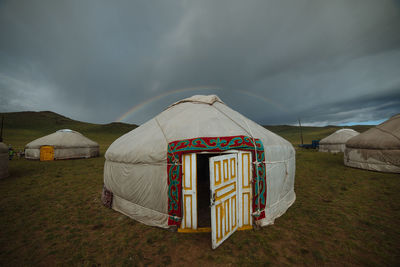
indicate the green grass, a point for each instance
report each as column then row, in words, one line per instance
column 51, row 214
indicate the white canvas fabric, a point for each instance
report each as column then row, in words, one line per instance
column 68, row 144
column 377, row 149
column 135, row 169
column 3, row 161
column 336, row 142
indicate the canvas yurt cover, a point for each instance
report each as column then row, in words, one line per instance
column 377, row 149
column 199, row 162
column 63, row 144
column 336, row 142
column 3, row 160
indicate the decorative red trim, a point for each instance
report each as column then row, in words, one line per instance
column 212, row 144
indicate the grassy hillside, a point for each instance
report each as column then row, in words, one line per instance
column 21, row 128
column 51, row 213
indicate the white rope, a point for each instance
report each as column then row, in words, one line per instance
column 176, row 161
column 278, row 161
column 143, row 163
column 256, row 165
column 254, row 141
column 230, row 119
column 162, row 131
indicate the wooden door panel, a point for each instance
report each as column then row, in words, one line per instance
column 223, row 184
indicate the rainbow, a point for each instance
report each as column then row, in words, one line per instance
column 264, row 99
column 155, row 98
column 150, row 100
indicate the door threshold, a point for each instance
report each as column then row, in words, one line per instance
column 208, row 229
column 198, row 230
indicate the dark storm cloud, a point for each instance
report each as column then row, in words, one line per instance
column 367, row 108
column 274, row 61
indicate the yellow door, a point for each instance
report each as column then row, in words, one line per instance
column 189, row 185
column 224, row 208
column 46, row 153
column 244, row 185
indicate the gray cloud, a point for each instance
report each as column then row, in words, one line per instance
column 371, row 107
column 274, row 61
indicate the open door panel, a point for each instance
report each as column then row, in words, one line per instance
column 224, row 201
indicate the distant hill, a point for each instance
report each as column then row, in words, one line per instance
column 292, row 133
column 48, row 121
column 22, row 127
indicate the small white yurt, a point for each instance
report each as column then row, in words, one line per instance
column 377, row 149
column 3, row 160
column 200, row 165
column 336, row 142
column 63, row 144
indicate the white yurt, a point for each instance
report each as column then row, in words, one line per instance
column 3, row 160
column 336, row 142
column 63, row 144
column 200, row 165
column 377, row 149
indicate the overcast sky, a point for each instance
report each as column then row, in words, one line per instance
column 325, row 61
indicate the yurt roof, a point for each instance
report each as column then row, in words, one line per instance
column 339, row 137
column 384, row 136
column 200, row 99
column 63, row 138
column 3, row 148
column 193, row 117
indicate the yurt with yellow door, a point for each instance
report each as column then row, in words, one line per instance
column 336, row 142
column 377, row 149
column 200, row 165
column 3, row 160
column 63, row 144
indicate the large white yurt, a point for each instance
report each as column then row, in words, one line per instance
column 63, row 144
column 336, row 142
column 3, row 160
column 200, row 165
column 377, row 149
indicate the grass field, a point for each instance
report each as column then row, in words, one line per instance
column 51, row 214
